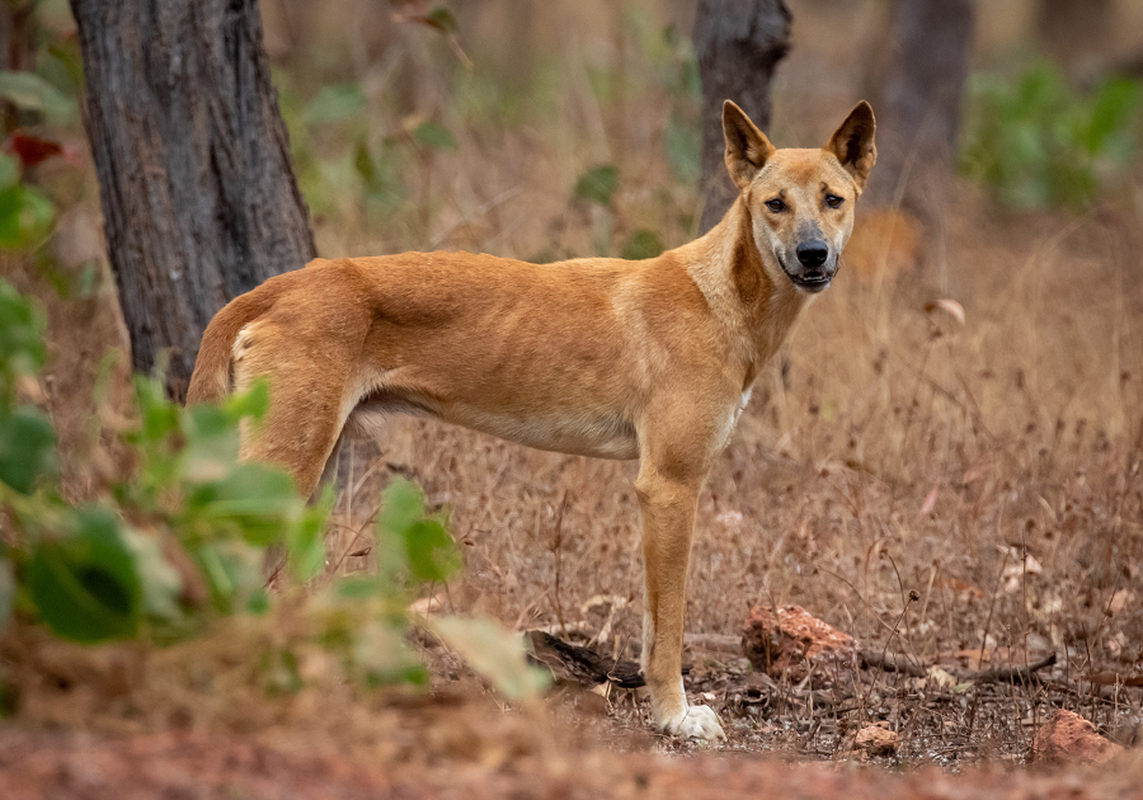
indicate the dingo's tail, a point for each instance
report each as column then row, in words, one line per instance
column 212, row 380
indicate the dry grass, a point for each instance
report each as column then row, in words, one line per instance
column 900, row 451
column 991, row 467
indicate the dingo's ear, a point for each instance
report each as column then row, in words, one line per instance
column 747, row 148
column 852, row 143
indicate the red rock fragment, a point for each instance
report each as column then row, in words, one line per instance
column 794, row 643
column 877, row 740
column 1068, row 738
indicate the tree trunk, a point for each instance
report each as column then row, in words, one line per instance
column 199, row 200
column 739, row 44
column 918, row 108
column 1076, row 30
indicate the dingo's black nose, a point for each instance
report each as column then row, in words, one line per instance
column 813, row 254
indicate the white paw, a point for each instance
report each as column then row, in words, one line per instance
column 695, row 722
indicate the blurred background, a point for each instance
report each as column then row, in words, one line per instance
column 543, row 130
column 1049, row 115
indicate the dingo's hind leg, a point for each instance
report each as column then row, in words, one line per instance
column 309, row 405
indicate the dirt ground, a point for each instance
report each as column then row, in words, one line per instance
column 520, row 763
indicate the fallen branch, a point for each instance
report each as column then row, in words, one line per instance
column 896, row 662
column 714, row 641
column 1011, row 674
column 892, row 662
column 1114, row 679
column 570, row 662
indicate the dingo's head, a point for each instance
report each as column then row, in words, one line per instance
column 800, row 201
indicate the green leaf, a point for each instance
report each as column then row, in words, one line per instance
column 159, row 415
column 11, row 206
column 207, row 421
column 494, row 652
column 334, row 103
column 382, row 178
column 9, row 171
column 7, row 590
column 690, row 79
column 254, row 402
column 212, row 432
column 363, row 162
column 382, row 652
column 440, row 17
column 356, row 589
column 598, row 184
column 211, row 444
column 279, row 669
column 28, row 91
column 259, row 499
column 434, row 135
column 402, row 505
column 644, row 243
column 160, row 582
column 433, row 557
column 62, row 64
column 305, row 540
column 407, row 538
column 1115, row 104
column 22, row 350
column 21, row 330
column 26, row 216
column 233, row 573
column 85, row 586
column 258, row 602
column 27, row 448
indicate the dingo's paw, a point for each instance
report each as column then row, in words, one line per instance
column 695, row 722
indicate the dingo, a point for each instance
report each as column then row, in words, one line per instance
column 602, row 357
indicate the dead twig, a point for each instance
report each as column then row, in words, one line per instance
column 583, row 664
column 1026, row 674
column 892, row 662
column 714, row 641
column 896, row 662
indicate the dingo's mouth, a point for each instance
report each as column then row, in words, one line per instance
column 811, row 283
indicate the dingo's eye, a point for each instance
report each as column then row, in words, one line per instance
column 833, row 201
column 775, row 205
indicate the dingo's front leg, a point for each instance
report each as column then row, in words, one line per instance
column 668, row 508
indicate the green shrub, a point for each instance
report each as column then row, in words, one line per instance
column 103, row 571
column 1038, row 142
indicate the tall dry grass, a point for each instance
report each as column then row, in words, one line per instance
column 991, row 466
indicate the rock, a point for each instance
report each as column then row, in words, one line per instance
column 1068, row 738
column 877, row 740
column 794, row 643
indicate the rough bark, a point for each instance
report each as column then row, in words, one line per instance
column 739, row 44
column 1076, row 30
column 199, row 200
column 918, row 107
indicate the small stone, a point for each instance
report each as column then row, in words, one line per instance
column 1068, row 738
column 791, row 642
column 877, row 740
